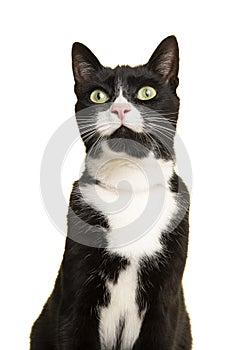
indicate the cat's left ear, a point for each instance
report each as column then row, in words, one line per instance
column 165, row 59
column 84, row 62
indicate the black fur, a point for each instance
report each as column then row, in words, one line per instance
column 70, row 318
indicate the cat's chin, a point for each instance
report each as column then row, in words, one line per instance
column 127, row 141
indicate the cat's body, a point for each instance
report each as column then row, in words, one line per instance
column 120, row 283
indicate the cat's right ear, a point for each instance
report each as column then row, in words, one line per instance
column 84, row 62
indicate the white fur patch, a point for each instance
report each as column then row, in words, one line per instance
column 108, row 122
column 122, row 308
column 134, row 195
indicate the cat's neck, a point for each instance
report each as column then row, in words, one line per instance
column 118, row 171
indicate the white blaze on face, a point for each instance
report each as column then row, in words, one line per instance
column 108, row 121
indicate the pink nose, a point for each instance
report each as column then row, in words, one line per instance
column 120, row 109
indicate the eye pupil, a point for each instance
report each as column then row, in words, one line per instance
column 99, row 96
column 147, row 93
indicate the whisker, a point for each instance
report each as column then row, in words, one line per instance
column 167, row 135
column 164, row 134
column 85, row 122
column 150, row 138
column 155, row 131
column 94, row 146
column 158, row 111
column 87, row 125
column 158, row 119
column 158, row 127
column 87, row 131
column 88, row 136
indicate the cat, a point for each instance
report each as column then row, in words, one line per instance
column 119, row 286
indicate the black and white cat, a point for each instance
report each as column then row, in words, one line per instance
column 119, row 286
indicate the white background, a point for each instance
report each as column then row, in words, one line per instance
column 37, row 97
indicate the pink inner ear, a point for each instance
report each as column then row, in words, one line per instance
column 165, row 59
column 165, row 66
column 82, row 69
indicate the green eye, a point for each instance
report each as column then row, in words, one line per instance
column 99, row 96
column 146, row 93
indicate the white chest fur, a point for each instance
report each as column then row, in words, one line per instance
column 134, row 195
column 121, row 315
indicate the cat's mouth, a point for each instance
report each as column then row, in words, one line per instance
column 124, row 132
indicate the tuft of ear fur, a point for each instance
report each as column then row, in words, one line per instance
column 84, row 62
column 165, row 59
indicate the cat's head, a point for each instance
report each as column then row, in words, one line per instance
column 128, row 104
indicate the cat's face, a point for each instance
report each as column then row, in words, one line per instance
column 125, row 104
